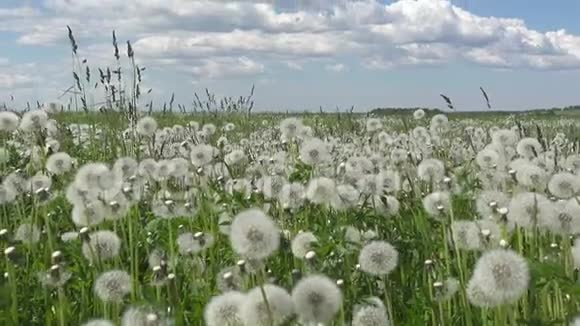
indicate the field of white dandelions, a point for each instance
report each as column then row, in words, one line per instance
column 280, row 220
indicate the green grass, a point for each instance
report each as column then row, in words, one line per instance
column 552, row 296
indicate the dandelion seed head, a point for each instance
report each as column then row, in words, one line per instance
column 144, row 316
column 527, row 209
column 292, row 195
column 371, row 315
column 271, row 186
column 208, row 129
column 254, row 312
column 431, row 170
column 236, row 157
column 321, row 191
column 531, row 176
column 102, row 246
column 7, row 194
column 27, row 233
column 33, row 121
column 418, row 114
column 224, row 309
column 529, row 148
column 316, row 299
column 437, row 204
column 8, row 121
column 466, row 235
column 378, row 258
column 59, row 163
column 290, row 127
column 487, row 159
column 125, row 167
column 504, row 137
column 202, row 154
column 113, row 286
column 98, row 322
column 502, row 275
column 188, row 243
column 576, row 253
column 564, row 185
column 314, row 152
column 89, row 214
column 485, row 198
column 254, row 234
column 373, row 125
column 302, row 243
column 146, row 126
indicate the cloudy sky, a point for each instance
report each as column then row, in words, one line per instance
column 305, row 53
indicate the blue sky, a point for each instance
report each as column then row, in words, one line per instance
column 304, row 54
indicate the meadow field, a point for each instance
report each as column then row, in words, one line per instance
column 234, row 218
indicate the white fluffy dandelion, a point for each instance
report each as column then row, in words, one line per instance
column 527, row 209
column 373, row 125
column 254, row 235
column 321, row 191
column 564, row 185
column 347, row 196
column 418, row 114
column 431, row 170
column 488, row 201
column 501, row 275
column 314, row 152
column 113, row 286
column 277, row 311
column 290, row 127
column 437, row 204
column 202, row 154
column 235, row 157
column 316, row 299
column 373, row 314
column 88, row 214
column 146, row 126
column 566, row 220
column 378, row 258
column 303, row 243
column 126, row 167
column 466, row 235
column 33, row 121
column 531, row 176
column 487, row 159
column 98, row 322
column 189, row 243
column 102, row 246
column 59, row 163
column 576, row 252
column 8, row 121
column 292, row 195
column 224, row 309
column 144, row 316
column 7, row 194
column 27, row 233
column 504, row 137
column 447, row 289
column 97, row 177
column 529, row 148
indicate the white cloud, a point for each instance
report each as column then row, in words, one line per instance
column 405, row 32
column 294, row 65
column 10, row 81
column 216, row 39
column 337, row 67
column 18, row 12
column 216, row 68
column 195, row 44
